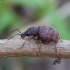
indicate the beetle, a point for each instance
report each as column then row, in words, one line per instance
column 44, row 34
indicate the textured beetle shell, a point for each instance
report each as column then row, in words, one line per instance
column 32, row 31
column 48, row 34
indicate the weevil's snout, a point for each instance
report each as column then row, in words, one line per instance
column 23, row 35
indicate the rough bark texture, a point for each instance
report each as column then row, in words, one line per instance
column 12, row 48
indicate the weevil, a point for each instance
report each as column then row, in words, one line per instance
column 44, row 34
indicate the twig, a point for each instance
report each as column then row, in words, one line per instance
column 12, row 48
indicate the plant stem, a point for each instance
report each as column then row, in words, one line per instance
column 12, row 48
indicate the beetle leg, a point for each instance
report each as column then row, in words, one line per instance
column 25, row 42
column 22, row 45
column 58, row 60
column 34, row 54
column 39, row 49
column 38, row 41
column 13, row 36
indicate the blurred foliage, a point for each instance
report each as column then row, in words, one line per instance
column 36, row 3
column 37, row 64
column 60, row 24
column 5, row 64
column 9, row 18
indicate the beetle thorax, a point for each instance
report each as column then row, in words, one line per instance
column 33, row 31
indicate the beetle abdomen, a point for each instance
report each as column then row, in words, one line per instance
column 48, row 34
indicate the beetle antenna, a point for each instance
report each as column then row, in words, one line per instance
column 15, row 30
column 13, row 36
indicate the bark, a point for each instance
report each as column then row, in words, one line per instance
column 12, row 48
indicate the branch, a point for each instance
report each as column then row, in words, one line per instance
column 12, row 48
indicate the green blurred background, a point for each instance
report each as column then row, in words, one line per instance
column 22, row 14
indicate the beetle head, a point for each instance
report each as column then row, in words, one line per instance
column 23, row 35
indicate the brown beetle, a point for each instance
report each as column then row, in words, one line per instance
column 44, row 34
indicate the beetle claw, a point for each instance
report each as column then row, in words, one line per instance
column 57, row 61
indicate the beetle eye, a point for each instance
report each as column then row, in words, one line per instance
column 22, row 36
